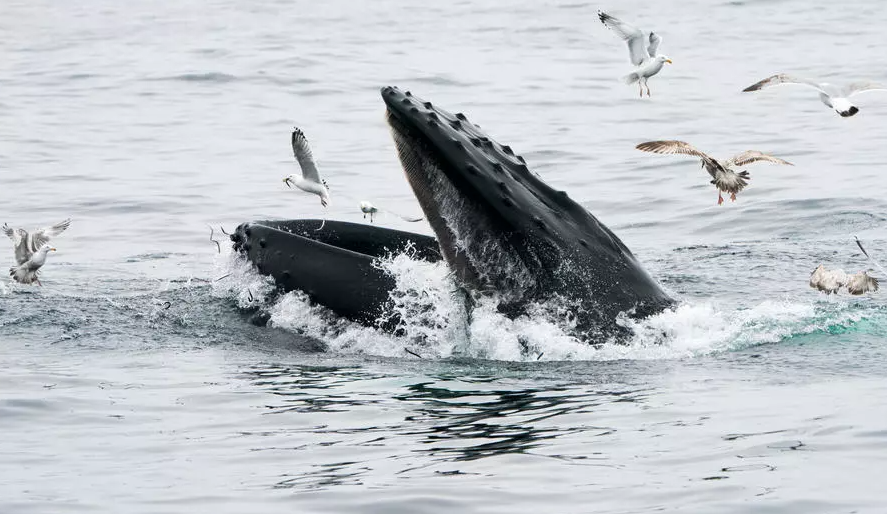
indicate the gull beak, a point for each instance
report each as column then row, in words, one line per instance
column 287, row 182
column 668, row 61
column 52, row 249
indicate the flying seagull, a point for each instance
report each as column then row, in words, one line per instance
column 368, row 208
column 26, row 272
column 27, row 243
column 831, row 95
column 310, row 180
column 641, row 49
column 723, row 174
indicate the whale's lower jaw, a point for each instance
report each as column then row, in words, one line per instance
column 336, row 266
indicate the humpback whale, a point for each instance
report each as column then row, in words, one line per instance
column 503, row 232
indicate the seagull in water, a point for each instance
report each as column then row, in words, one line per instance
column 310, row 180
column 832, row 96
column 723, row 174
column 831, row 281
column 31, row 249
column 641, row 49
column 372, row 210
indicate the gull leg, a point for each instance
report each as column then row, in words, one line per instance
column 720, row 198
column 732, row 197
column 38, row 282
column 648, row 89
column 322, row 223
column 640, row 89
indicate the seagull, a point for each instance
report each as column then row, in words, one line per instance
column 26, row 272
column 723, row 174
column 831, row 95
column 368, row 208
column 310, row 180
column 27, row 243
column 641, row 49
column 831, row 281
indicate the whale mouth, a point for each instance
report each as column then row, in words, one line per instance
column 480, row 245
column 503, row 230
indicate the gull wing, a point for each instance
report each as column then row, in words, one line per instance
column 711, row 165
column 672, row 147
column 680, row 147
column 782, row 78
column 19, row 243
column 653, row 47
column 630, row 34
column 41, row 236
column 861, row 283
column 862, row 87
column 10, row 232
column 302, row 152
column 751, row 156
column 26, row 243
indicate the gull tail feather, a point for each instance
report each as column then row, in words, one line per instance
column 21, row 274
column 631, row 78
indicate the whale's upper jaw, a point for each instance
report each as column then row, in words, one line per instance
column 493, row 174
column 483, row 202
column 465, row 183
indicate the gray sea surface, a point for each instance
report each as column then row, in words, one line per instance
column 133, row 382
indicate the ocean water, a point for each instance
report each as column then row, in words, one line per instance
column 133, row 382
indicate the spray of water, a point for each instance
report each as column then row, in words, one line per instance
column 437, row 319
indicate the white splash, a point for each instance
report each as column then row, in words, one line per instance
column 428, row 304
column 238, row 280
column 435, row 323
